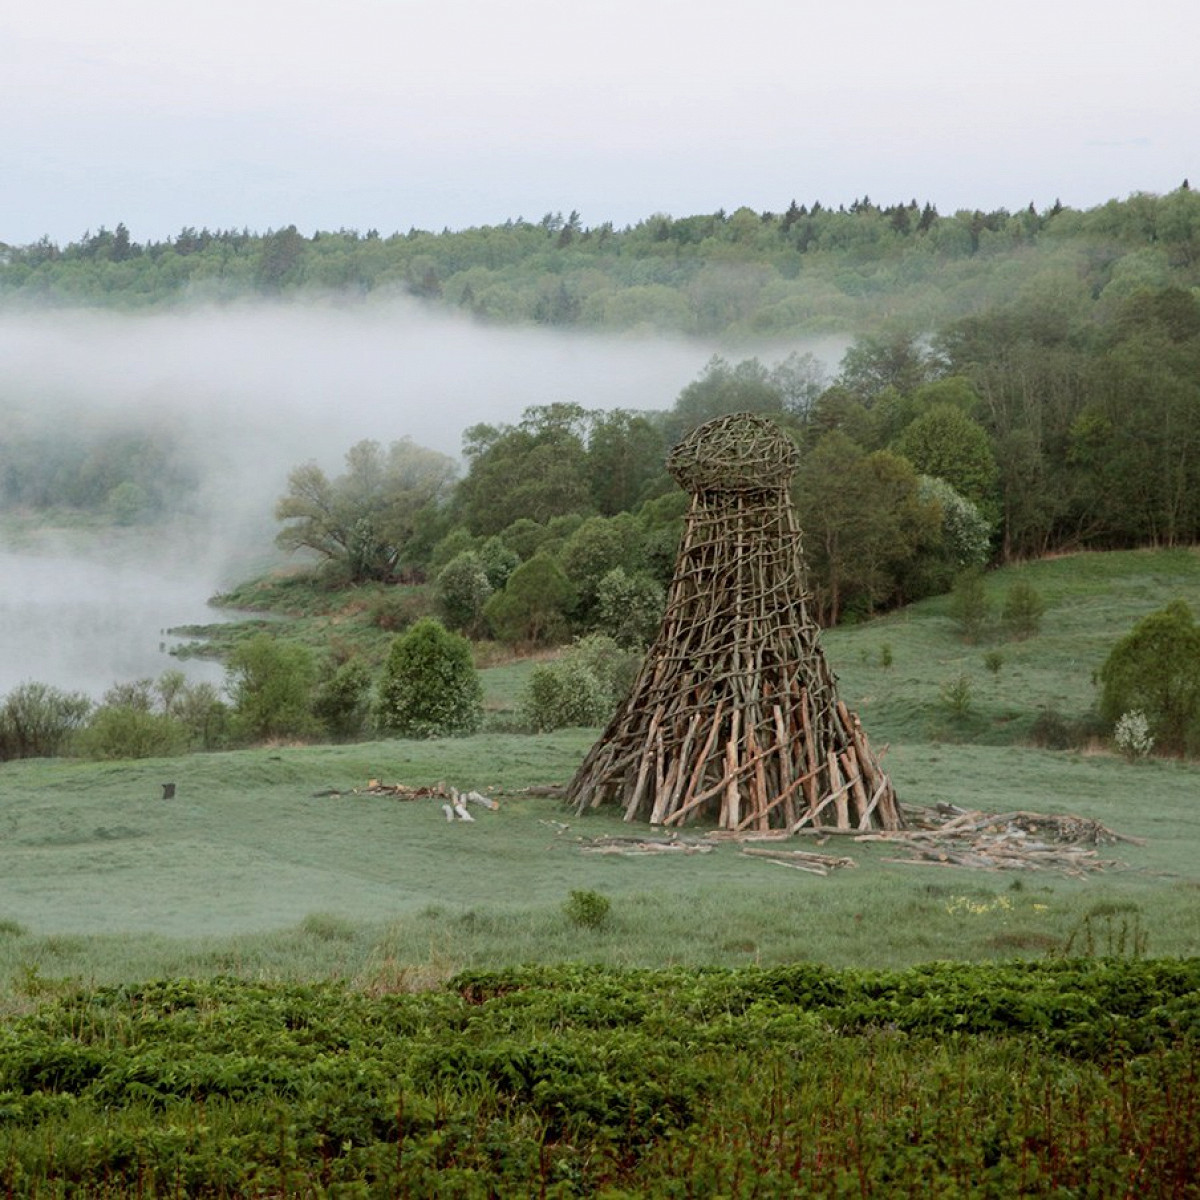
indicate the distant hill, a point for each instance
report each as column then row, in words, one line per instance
column 743, row 275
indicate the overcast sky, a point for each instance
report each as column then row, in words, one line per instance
column 391, row 114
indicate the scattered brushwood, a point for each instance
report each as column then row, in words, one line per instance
column 800, row 860
column 1060, row 827
column 948, row 836
column 404, row 791
column 635, row 846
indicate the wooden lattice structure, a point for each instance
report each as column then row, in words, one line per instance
column 734, row 716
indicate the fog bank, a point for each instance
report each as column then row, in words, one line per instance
column 250, row 391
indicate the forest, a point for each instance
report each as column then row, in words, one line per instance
column 742, row 275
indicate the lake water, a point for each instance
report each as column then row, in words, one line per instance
column 83, row 621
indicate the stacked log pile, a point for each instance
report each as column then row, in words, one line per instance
column 1012, row 841
column 734, row 717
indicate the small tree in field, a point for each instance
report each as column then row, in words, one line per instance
column 1023, row 609
column 430, row 687
column 969, row 605
column 1155, row 670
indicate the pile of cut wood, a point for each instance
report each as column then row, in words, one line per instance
column 948, row 836
column 404, row 791
column 1013, row 841
column 635, row 846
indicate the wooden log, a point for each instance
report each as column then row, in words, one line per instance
column 854, row 770
column 865, row 822
column 785, row 767
column 782, row 798
column 840, row 803
column 689, row 800
column 731, row 802
column 810, row 752
column 759, row 788
column 678, row 774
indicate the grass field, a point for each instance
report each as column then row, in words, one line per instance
column 248, row 871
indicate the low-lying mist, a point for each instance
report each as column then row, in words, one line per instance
column 248, row 392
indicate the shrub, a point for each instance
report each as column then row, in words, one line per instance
column 204, row 715
column 1155, row 670
column 430, row 687
column 563, row 693
column 1023, row 609
column 966, row 532
column 39, row 721
column 395, row 609
column 613, row 665
column 587, row 909
column 461, row 592
column 271, row 686
column 119, row 731
column 1132, row 736
column 533, row 606
column 956, row 696
column 498, row 561
column 343, row 700
column 993, row 660
column 1052, row 731
column 629, row 607
column 599, row 546
column 969, row 605
column 581, row 688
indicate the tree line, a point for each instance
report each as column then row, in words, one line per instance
column 1022, row 431
column 807, row 268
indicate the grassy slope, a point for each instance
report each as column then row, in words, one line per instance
column 247, row 871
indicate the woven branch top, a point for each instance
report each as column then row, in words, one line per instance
column 742, row 452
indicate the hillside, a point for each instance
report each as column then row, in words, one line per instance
column 804, row 269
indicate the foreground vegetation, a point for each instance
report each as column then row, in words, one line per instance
column 1076, row 1078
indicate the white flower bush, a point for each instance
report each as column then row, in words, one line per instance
column 1132, row 735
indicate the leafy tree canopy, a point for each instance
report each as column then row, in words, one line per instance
column 363, row 520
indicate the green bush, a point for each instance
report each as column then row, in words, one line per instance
column 1155, row 669
column 39, row 721
column 583, row 687
column 396, row 608
column 461, row 592
column 1023, row 610
column 499, row 561
column 561, row 694
column 969, row 604
column 430, row 687
column 118, row 731
column 956, row 696
column 343, row 700
column 629, row 607
column 532, row 609
column 587, row 909
column 271, row 685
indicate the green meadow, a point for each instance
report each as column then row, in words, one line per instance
column 253, row 870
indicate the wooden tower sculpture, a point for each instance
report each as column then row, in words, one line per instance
column 734, row 715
